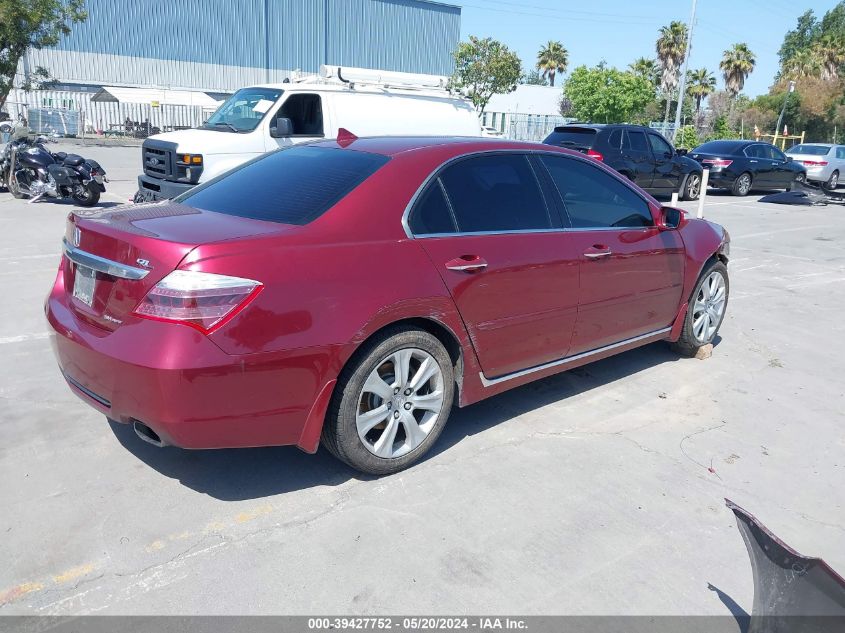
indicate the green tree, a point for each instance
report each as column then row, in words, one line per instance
column 804, row 63
column 606, row 95
column 671, row 48
column 531, row 77
column 647, row 68
column 687, row 137
column 800, row 38
column 829, row 54
column 26, row 24
column 700, row 84
column 484, row 67
column 737, row 63
column 552, row 58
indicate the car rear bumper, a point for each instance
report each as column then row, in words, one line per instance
column 821, row 173
column 721, row 178
column 181, row 385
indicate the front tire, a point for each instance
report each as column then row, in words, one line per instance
column 706, row 310
column 742, row 185
column 692, row 187
column 88, row 197
column 391, row 402
column 13, row 186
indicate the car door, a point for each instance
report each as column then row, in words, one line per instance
column 839, row 157
column 498, row 246
column 666, row 171
column 760, row 165
column 783, row 171
column 636, row 149
column 632, row 273
column 305, row 111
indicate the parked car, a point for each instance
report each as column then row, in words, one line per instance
column 745, row 165
column 261, row 119
column 490, row 131
column 824, row 162
column 638, row 153
column 364, row 285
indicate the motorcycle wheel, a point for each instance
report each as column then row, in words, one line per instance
column 88, row 197
column 13, row 188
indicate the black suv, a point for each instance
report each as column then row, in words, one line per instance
column 637, row 152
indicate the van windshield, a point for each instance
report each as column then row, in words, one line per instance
column 243, row 111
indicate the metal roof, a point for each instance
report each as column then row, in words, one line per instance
column 115, row 94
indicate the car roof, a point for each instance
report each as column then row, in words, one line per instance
column 394, row 145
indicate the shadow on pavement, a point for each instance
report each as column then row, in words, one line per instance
column 743, row 619
column 252, row 473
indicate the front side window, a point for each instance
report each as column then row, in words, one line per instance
column 305, row 112
column 243, row 111
column 595, row 199
column 292, row 186
column 495, row 192
column 660, row 147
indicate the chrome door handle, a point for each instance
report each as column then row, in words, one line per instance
column 752, row 161
column 606, row 253
column 467, row 263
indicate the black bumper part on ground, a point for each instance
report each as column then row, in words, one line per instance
column 151, row 189
column 792, row 593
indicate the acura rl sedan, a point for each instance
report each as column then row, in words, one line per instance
column 350, row 292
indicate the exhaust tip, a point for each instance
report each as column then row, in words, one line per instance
column 147, row 434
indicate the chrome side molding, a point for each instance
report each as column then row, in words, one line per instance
column 101, row 264
column 489, row 382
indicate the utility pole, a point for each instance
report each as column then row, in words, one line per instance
column 782, row 111
column 683, row 86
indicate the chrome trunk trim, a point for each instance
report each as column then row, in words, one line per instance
column 101, row 264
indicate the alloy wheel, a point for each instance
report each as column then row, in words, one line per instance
column 744, row 184
column 693, row 186
column 833, row 181
column 709, row 307
column 400, row 403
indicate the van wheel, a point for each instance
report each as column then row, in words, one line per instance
column 391, row 402
column 742, row 185
column 706, row 311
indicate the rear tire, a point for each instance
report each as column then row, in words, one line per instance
column 89, row 198
column 387, row 411
column 832, row 182
column 706, row 311
column 692, row 187
column 742, row 184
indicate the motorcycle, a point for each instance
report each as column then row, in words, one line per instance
column 29, row 170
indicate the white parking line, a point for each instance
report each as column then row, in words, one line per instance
column 792, row 230
column 23, row 337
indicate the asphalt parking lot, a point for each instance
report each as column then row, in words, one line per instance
column 597, row 491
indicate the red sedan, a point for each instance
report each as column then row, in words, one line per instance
column 350, row 292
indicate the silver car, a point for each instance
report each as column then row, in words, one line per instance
column 825, row 163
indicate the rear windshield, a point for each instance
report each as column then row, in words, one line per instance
column 718, row 147
column 572, row 137
column 815, row 150
column 292, row 186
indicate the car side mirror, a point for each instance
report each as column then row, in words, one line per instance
column 789, row 159
column 281, row 127
column 670, row 218
column 682, row 151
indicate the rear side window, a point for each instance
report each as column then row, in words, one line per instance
column 614, row 140
column 579, row 138
column 636, row 141
column 431, row 213
column 495, row 192
column 293, row 186
column 594, row 199
column 840, row 152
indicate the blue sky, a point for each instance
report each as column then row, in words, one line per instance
column 619, row 31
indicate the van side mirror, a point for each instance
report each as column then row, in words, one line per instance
column 670, row 218
column 281, row 127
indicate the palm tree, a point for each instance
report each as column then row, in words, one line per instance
column 737, row 63
column 829, row 53
column 700, row 84
column 646, row 68
column 552, row 58
column 671, row 48
column 804, row 63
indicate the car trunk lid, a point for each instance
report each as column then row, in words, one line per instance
column 114, row 257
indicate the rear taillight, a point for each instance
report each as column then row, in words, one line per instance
column 204, row 301
column 821, row 163
column 717, row 162
column 594, row 154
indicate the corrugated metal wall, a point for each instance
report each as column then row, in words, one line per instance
column 224, row 44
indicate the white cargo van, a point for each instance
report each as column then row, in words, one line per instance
column 263, row 118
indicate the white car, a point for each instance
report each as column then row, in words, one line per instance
column 260, row 119
column 825, row 162
column 490, row 131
